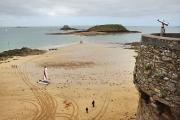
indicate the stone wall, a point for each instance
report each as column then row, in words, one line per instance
column 157, row 77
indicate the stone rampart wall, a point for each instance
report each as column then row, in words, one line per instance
column 157, row 77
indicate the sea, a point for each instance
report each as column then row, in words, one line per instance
column 37, row 37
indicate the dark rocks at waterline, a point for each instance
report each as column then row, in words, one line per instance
column 20, row 52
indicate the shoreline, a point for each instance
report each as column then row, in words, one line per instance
column 46, row 47
column 57, row 46
column 91, row 33
column 73, row 43
column 131, row 45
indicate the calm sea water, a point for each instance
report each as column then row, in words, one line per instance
column 35, row 37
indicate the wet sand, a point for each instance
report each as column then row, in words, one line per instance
column 78, row 74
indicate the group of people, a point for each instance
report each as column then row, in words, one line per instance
column 93, row 105
column 45, row 78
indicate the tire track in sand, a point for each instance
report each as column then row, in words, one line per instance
column 46, row 102
column 103, row 109
column 75, row 112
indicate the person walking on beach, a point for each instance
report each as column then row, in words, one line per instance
column 86, row 110
column 93, row 103
column 45, row 76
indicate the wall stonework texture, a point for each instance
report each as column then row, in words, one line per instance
column 157, row 77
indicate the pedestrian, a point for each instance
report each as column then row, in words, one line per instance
column 86, row 110
column 93, row 103
column 45, row 76
column 81, row 42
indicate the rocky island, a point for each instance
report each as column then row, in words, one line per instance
column 108, row 28
column 66, row 27
column 100, row 30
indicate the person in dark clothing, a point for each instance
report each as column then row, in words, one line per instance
column 93, row 103
column 86, row 110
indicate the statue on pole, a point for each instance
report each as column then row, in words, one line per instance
column 163, row 24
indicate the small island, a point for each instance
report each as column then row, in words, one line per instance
column 100, row 30
column 66, row 27
column 108, row 28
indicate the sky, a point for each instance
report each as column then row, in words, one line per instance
column 88, row 12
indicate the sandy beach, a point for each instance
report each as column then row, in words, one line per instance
column 78, row 74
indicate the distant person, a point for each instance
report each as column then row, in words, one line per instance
column 81, row 42
column 45, row 77
column 93, row 103
column 86, row 110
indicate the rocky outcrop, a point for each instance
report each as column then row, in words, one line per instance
column 66, row 27
column 157, row 77
column 20, row 52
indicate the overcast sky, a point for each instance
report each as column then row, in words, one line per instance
column 88, row 12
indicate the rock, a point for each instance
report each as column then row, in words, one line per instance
column 174, row 76
column 160, row 93
column 165, row 58
column 20, row 52
column 66, row 27
column 166, row 78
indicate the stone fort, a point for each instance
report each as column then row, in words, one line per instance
column 157, row 77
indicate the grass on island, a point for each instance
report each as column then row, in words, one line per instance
column 108, row 28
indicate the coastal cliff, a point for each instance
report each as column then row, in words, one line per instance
column 157, row 77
